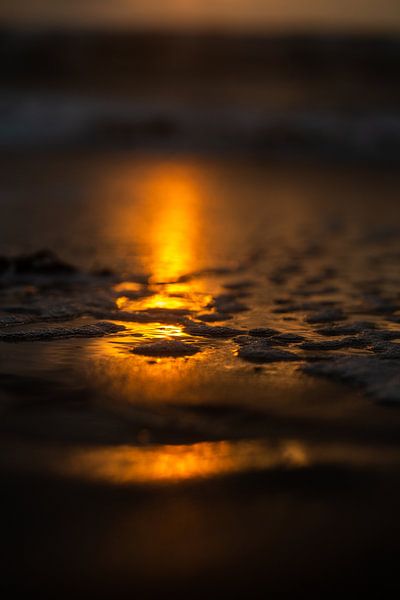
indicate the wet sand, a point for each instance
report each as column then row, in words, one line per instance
column 199, row 381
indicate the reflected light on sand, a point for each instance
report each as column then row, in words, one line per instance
column 147, row 379
column 158, row 300
column 128, row 464
column 162, row 298
column 127, row 286
column 164, row 217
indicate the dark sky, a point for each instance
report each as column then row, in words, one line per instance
column 319, row 14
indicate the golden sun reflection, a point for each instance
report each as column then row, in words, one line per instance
column 173, row 196
column 127, row 464
column 127, row 286
column 168, row 220
column 166, row 299
column 130, row 377
column 172, row 464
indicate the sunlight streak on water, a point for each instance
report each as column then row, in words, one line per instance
column 167, row 463
column 168, row 221
column 177, row 463
column 134, row 378
column 172, row 464
column 173, row 218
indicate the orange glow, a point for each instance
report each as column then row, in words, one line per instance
column 170, row 330
column 174, row 196
column 169, row 464
column 162, row 299
column 158, row 300
column 168, row 221
column 128, row 286
column 128, row 464
column 129, row 376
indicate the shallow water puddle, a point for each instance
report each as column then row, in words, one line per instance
column 195, row 315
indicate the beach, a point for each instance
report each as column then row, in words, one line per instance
column 199, row 311
column 196, row 388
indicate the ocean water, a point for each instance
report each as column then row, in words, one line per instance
column 332, row 96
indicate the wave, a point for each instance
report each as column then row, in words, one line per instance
column 46, row 120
